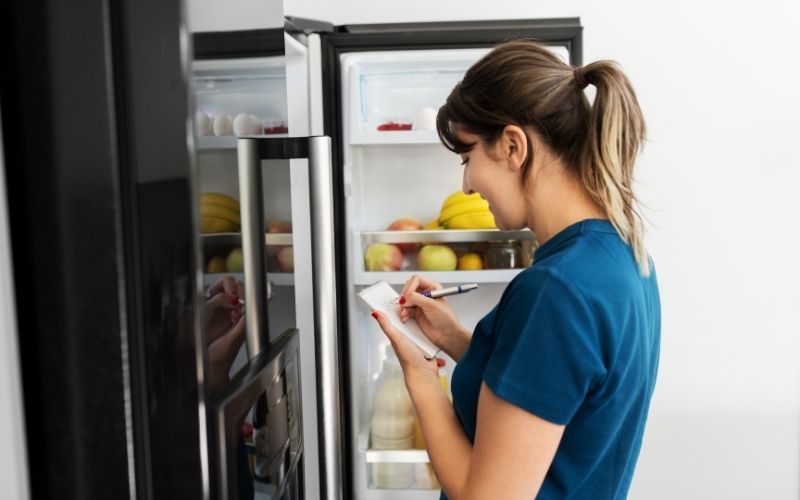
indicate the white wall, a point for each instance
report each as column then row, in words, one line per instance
column 719, row 176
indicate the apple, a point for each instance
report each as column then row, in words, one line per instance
column 436, row 258
column 383, row 257
column 234, row 263
column 286, row 259
column 406, row 224
column 279, row 226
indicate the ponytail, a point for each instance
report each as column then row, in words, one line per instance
column 615, row 135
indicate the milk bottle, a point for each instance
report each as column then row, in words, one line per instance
column 392, row 425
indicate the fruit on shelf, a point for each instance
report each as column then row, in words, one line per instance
column 279, row 226
column 286, row 259
column 234, row 263
column 406, row 224
column 219, row 213
column 211, row 225
column 216, row 264
column 470, row 262
column 432, row 226
column 465, row 211
column 383, row 257
column 475, row 220
column 436, row 258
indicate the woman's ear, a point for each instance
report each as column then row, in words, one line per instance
column 513, row 146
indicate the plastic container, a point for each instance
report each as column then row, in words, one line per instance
column 392, row 426
column 502, row 255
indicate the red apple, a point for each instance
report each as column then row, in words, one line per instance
column 406, row 224
column 286, row 260
column 383, row 257
column 279, row 226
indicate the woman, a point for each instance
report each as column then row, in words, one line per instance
column 551, row 391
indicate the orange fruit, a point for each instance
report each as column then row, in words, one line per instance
column 470, row 262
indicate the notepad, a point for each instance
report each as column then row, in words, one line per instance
column 379, row 297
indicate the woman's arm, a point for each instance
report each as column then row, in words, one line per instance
column 513, row 448
column 512, row 452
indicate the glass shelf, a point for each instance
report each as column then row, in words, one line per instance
column 444, row 236
column 213, row 142
column 235, row 239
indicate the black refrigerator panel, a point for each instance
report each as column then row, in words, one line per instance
column 95, row 102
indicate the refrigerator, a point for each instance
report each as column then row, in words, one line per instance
column 367, row 92
column 106, row 160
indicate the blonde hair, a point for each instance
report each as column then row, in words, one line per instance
column 525, row 84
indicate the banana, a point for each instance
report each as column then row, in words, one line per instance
column 221, row 212
column 464, row 207
column 219, row 199
column 209, row 225
column 474, row 220
column 432, row 225
column 458, row 197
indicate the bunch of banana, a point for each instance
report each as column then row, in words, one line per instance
column 465, row 211
column 219, row 213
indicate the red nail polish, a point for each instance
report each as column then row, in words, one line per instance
column 375, row 314
column 402, row 300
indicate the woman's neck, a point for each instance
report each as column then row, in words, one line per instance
column 557, row 200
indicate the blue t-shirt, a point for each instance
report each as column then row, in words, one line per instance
column 574, row 340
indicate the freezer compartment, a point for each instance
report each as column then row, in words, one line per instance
column 392, row 97
column 241, row 97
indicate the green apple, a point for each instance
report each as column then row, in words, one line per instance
column 436, row 258
column 234, row 263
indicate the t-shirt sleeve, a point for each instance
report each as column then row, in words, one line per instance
column 547, row 355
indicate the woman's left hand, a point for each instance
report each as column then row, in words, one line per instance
column 415, row 366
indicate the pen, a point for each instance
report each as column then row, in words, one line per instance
column 445, row 292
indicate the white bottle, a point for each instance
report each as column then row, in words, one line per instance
column 392, row 426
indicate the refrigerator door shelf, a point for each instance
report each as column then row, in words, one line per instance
column 389, row 456
column 215, row 143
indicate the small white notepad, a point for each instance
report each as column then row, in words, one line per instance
column 380, row 297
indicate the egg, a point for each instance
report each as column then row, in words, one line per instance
column 222, row 125
column 202, row 124
column 425, row 120
column 245, row 124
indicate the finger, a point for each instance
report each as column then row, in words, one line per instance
column 411, row 284
column 220, row 301
column 400, row 343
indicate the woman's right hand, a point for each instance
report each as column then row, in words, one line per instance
column 435, row 316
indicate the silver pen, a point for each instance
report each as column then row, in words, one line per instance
column 445, row 292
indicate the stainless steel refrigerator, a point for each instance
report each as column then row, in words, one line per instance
column 111, row 138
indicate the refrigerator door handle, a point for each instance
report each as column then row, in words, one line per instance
column 326, row 312
column 251, row 151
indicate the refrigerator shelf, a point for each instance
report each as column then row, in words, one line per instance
column 235, row 239
column 395, row 137
column 444, row 236
column 277, row 279
column 215, row 143
column 444, row 277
